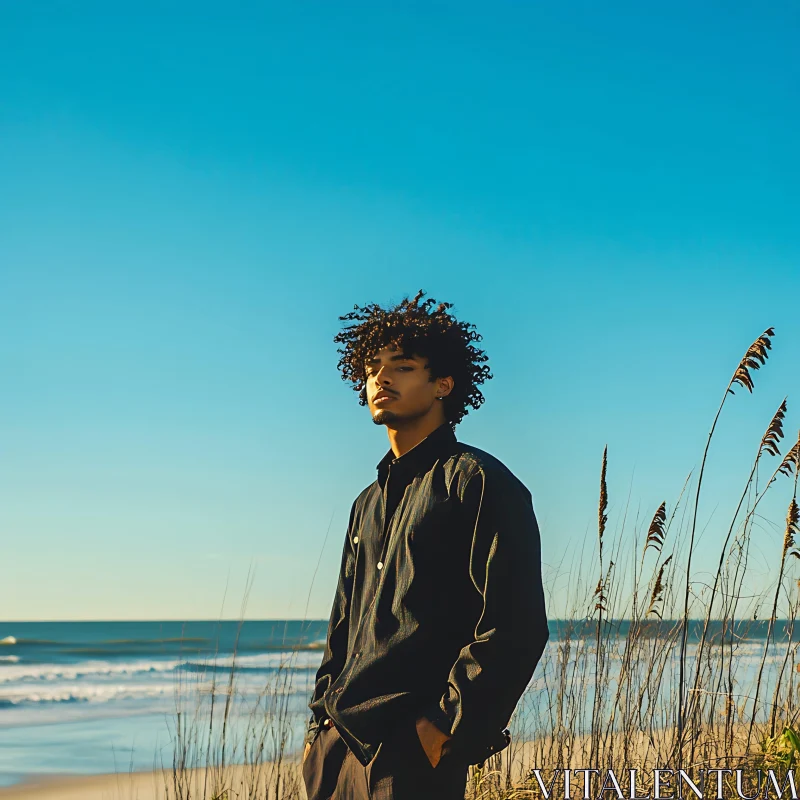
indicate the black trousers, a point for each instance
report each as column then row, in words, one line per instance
column 400, row 770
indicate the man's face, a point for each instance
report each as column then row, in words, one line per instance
column 405, row 382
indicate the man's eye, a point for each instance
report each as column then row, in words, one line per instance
column 369, row 373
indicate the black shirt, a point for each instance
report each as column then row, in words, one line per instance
column 439, row 609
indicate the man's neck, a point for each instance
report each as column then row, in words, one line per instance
column 401, row 440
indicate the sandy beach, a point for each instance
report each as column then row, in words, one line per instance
column 141, row 785
column 516, row 760
column 151, row 785
column 132, row 785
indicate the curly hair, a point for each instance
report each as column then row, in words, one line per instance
column 410, row 326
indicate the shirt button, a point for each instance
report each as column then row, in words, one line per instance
column 380, row 565
column 355, row 540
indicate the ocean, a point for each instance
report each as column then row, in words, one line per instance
column 100, row 697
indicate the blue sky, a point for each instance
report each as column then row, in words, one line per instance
column 192, row 196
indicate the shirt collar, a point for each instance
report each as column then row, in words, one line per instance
column 420, row 456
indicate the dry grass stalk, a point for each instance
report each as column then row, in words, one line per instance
column 769, row 444
column 788, row 543
column 754, row 357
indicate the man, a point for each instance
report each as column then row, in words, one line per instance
column 439, row 616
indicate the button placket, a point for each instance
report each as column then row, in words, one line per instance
column 380, row 566
column 386, row 524
column 375, row 595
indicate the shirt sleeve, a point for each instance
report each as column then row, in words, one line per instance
column 335, row 653
column 492, row 672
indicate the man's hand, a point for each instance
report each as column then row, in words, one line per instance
column 327, row 723
column 431, row 739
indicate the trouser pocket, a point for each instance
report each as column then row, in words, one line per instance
column 401, row 769
column 323, row 764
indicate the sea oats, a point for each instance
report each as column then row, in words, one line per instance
column 755, row 356
column 655, row 534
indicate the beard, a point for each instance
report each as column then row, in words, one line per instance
column 386, row 416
